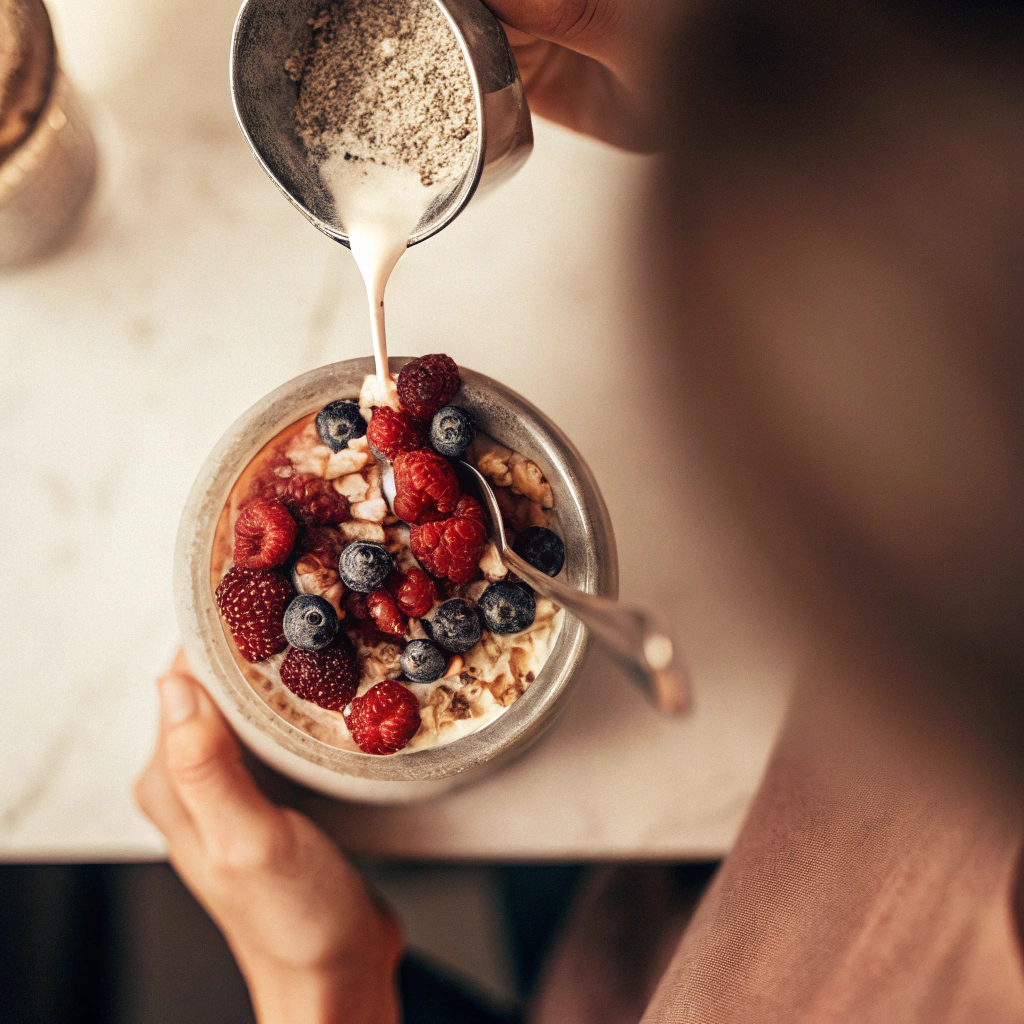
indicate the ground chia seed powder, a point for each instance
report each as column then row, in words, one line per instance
column 385, row 81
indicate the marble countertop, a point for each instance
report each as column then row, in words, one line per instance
column 192, row 291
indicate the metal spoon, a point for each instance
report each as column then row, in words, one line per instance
column 268, row 32
column 635, row 637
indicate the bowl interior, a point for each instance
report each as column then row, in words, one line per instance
column 591, row 565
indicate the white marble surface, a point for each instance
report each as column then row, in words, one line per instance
column 193, row 291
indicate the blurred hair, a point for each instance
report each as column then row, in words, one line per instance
column 960, row 20
column 840, row 225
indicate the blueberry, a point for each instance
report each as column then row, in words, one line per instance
column 310, row 623
column 455, row 626
column 422, row 662
column 542, row 548
column 451, row 431
column 507, row 607
column 338, row 423
column 364, row 566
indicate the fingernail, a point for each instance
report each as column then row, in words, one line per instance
column 177, row 700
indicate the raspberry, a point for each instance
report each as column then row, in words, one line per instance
column 384, row 611
column 452, row 548
column 355, row 606
column 312, row 500
column 467, row 507
column 384, row 719
column 366, row 634
column 328, row 678
column 393, row 432
column 415, row 593
column 253, row 602
column 427, row 384
column 264, row 535
column 323, row 542
column 425, row 486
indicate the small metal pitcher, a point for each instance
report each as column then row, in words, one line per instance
column 267, row 32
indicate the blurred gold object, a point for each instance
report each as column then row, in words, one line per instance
column 47, row 152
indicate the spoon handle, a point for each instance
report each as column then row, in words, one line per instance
column 636, row 638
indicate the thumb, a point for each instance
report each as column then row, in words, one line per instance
column 204, row 766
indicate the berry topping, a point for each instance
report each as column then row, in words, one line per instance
column 384, row 719
column 355, row 606
column 452, row 431
column 390, row 433
column 384, row 611
column 467, row 507
column 313, row 568
column 253, row 603
column 507, row 607
column 364, row 566
column 425, row 486
column 426, row 384
column 455, row 626
column 329, row 678
column 310, row 623
column 323, row 542
column 339, row 423
column 452, row 548
column 542, row 548
column 422, row 662
column 310, row 499
column 416, row 593
column 264, row 535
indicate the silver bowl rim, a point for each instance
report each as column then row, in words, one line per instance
column 591, row 566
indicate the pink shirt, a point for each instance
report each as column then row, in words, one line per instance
column 853, row 894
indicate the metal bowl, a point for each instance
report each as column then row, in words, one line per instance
column 591, row 565
column 267, row 32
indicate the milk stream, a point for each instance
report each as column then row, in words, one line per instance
column 380, row 208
